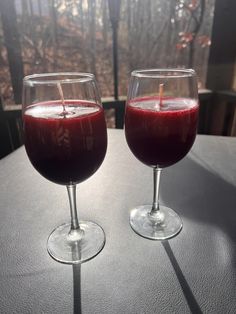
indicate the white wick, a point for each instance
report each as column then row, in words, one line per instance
column 161, row 90
column 62, row 97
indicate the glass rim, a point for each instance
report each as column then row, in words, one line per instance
column 54, row 78
column 163, row 73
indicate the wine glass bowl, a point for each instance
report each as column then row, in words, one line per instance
column 161, row 120
column 66, row 139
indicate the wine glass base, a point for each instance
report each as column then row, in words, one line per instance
column 77, row 246
column 164, row 226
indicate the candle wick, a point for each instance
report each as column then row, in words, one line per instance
column 62, row 98
column 161, row 92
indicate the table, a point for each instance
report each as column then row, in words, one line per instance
column 194, row 272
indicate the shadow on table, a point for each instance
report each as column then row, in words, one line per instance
column 192, row 303
column 77, row 288
column 77, row 279
column 201, row 195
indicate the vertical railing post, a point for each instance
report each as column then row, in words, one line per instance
column 221, row 63
column 114, row 12
column 12, row 42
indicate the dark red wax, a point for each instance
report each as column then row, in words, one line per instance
column 65, row 148
column 161, row 135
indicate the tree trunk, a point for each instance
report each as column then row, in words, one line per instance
column 129, row 30
column 53, row 14
column 12, row 42
column 40, row 8
column 25, row 15
column 104, row 21
column 195, row 32
column 92, row 34
column 31, row 8
column 81, row 16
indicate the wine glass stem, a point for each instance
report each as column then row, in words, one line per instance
column 156, row 187
column 71, row 189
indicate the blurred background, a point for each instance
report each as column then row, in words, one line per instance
column 110, row 38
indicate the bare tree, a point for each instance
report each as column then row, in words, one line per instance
column 198, row 24
column 104, row 21
column 53, row 15
column 39, row 8
column 92, row 34
column 12, row 42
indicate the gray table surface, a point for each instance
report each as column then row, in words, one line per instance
column 194, row 272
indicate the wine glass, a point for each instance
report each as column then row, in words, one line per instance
column 66, row 140
column 161, row 119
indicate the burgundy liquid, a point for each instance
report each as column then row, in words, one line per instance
column 68, row 146
column 161, row 133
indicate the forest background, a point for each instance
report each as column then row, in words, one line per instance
column 77, row 35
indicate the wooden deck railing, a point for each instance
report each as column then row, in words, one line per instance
column 217, row 116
